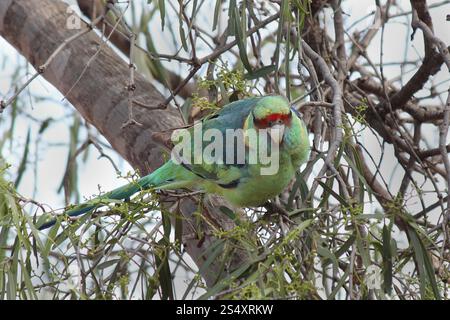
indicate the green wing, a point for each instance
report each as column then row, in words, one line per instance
column 219, row 169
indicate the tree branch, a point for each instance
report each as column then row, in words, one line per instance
column 36, row 29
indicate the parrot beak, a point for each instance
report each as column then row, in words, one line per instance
column 276, row 133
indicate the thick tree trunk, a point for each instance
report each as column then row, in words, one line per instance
column 36, row 29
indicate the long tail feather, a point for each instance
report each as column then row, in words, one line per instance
column 165, row 175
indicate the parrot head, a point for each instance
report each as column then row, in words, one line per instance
column 273, row 114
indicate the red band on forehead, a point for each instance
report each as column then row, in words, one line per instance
column 277, row 116
column 264, row 122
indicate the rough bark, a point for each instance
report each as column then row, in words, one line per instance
column 36, row 29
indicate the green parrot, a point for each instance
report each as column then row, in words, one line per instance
column 274, row 140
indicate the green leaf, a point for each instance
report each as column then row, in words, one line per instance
column 26, row 277
column 240, row 35
column 329, row 190
column 44, row 125
column 424, row 265
column 287, row 69
column 340, row 283
column 387, row 259
column 107, row 264
column 343, row 249
column 216, row 14
column 328, row 256
column 179, row 229
column 260, row 73
column 231, row 28
column 183, row 38
column 186, row 109
column 303, row 7
column 357, row 168
column 228, row 212
column 162, row 10
column 163, row 271
column 361, row 245
column 23, row 162
column 14, row 112
column 167, row 226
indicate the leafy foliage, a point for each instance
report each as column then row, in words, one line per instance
column 343, row 232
